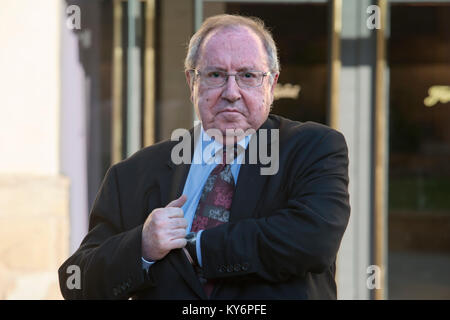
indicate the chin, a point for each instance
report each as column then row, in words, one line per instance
column 232, row 126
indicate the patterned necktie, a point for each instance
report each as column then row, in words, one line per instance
column 215, row 202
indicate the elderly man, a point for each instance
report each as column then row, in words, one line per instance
column 166, row 230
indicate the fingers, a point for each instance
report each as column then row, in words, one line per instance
column 173, row 212
column 178, row 243
column 172, row 240
column 178, row 203
column 174, row 230
column 178, row 223
column 164, row 230
column 177, row 234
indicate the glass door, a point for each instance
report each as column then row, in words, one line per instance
column 419, row 151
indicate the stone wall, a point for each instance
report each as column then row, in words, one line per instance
column 34, row 241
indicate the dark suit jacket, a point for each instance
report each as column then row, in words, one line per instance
column 280, row 243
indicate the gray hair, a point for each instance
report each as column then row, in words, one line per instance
column 232, row 21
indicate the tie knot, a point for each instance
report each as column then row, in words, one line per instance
column 229, row 153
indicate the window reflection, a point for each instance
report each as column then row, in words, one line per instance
column 419, row 161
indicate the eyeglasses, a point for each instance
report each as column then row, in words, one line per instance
column 244, row 79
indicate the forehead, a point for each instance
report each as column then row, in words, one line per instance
column 233, row 48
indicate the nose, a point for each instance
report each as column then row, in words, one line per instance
column 231, row 90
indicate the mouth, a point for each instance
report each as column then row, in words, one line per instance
column 229, row 111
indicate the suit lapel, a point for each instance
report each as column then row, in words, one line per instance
column 248, row 191
column 171, row 189
column 179, row 177
column 250, row 182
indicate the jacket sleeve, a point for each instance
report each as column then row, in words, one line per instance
column 109, row 258
column 300, row 237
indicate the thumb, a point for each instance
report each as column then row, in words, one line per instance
column 178, row 202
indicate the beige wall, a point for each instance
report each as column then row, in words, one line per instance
column 33, row 235
column 33, row 196
column 29, row 86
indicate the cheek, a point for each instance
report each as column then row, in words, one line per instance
column 260, row 108
column 210, row 97
column 257, row 103
column 205, row 103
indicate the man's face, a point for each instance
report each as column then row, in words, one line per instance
column 231, row 107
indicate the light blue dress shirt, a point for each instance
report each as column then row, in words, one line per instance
column 203, row 163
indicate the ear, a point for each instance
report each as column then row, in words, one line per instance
column 272, row 88
column 274, row 83
column 190, row 82
column 189, row 79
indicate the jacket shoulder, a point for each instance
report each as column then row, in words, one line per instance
column 150, row 157
column 312, row 131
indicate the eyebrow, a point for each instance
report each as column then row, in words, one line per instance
column 247, row 68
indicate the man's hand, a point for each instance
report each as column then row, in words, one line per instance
column 164, row 230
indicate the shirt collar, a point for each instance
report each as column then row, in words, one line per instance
column 208, row 157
